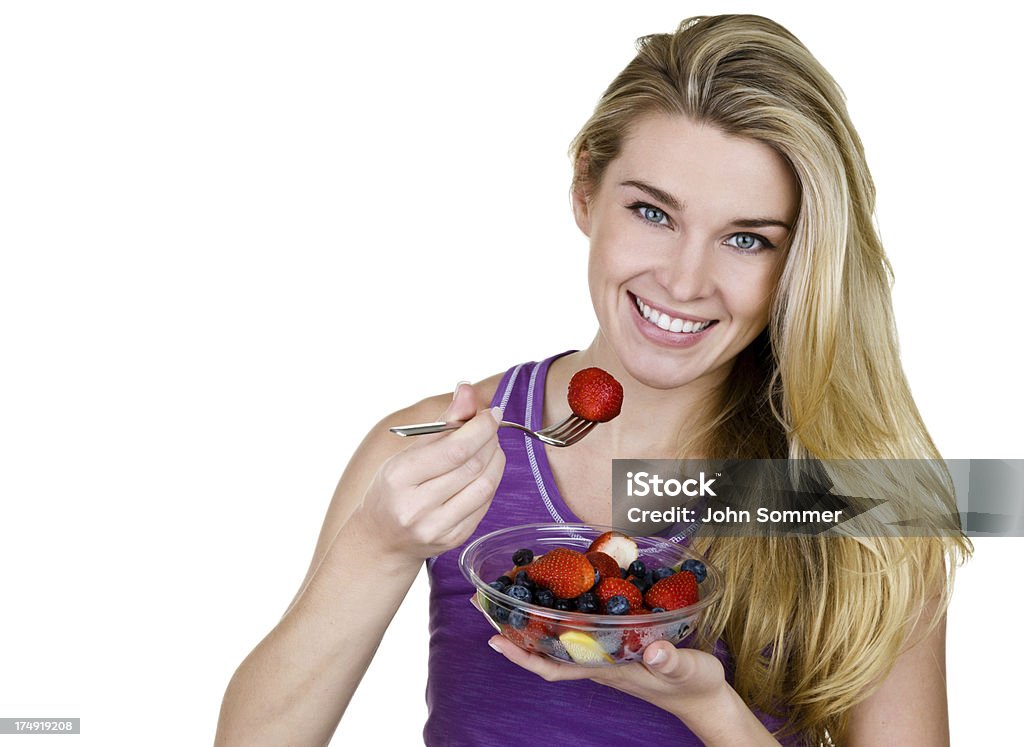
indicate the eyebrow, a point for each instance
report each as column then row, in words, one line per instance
column 667, row 199
column 654, row 192
column 759, row 223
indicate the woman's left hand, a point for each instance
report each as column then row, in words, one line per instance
column 678, row 680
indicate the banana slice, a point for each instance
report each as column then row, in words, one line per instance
column 583, row 649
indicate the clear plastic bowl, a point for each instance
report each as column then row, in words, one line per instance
column 582, row 638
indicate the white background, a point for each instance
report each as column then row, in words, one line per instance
column 235, row 235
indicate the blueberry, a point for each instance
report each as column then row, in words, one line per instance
column 641, row 583
column 517, row 619
column 566, row 605
column 586, row 602
column 623, row 573
column 659, row 573
column 523, row 580
column 544, row 597
column 597, row 578
column 637, row 568
column 657, row 609
column 520, row 592
column 617, row 605
column 498, row 585
column 696, row 568
column 500, row 614
column 504, row 579
column 523, row 557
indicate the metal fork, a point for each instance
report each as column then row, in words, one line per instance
column 565, row 432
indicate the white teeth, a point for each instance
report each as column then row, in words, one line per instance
column 666, row 322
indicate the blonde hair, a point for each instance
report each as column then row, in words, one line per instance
column 819, row 626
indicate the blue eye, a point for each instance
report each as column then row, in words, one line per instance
column 749, row 243
column 653, row 214
column 650, row 214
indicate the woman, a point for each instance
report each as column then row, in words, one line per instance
column 743, row 301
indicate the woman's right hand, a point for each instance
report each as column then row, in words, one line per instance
column 430, row 497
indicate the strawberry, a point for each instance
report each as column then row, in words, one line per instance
column 610, row 587
column 594, row 394
column 633, row 638
column 619, row 546
column 605, row 564
column 567, row 573
column 631, row 642
column 515, row 570
column 678, row 590
column 528, row 637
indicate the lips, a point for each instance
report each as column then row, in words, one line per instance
column 670, row 322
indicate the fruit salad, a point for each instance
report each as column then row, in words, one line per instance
column 594, row 600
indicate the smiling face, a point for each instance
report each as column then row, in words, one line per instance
column 687, row 234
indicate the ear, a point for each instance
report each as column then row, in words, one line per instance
column 580, row 197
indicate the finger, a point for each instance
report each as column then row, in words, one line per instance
column 464, row 403
column 667, row 662
column 550, row 670
column 450, row 524
column 463, row 407
column 427, row 460
column 469, row 488
column 461, row 531
column 438, row 490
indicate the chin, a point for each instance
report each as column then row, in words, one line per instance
column 661, row 374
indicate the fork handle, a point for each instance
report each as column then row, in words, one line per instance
column 422, row 429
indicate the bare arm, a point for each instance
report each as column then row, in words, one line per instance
column 397, row 503
column 909, row 709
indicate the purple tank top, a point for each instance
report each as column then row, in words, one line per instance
column 474, row 695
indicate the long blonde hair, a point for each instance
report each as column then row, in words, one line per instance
column 820, row 624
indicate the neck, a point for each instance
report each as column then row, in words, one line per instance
column 653, row 422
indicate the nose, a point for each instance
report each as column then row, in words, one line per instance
column 687, row 271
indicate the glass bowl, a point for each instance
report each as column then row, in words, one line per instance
column 579, row 637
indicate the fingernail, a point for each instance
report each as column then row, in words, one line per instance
column 658, row 658
column 493, row 645
column 497, row 413
column 457, row 388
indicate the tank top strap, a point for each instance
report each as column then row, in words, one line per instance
column 520, row 393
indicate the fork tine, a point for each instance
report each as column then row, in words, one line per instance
column 567, row 430
column 578, row 435
column 571, row 427
column 579, row 432
column 553, row 431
